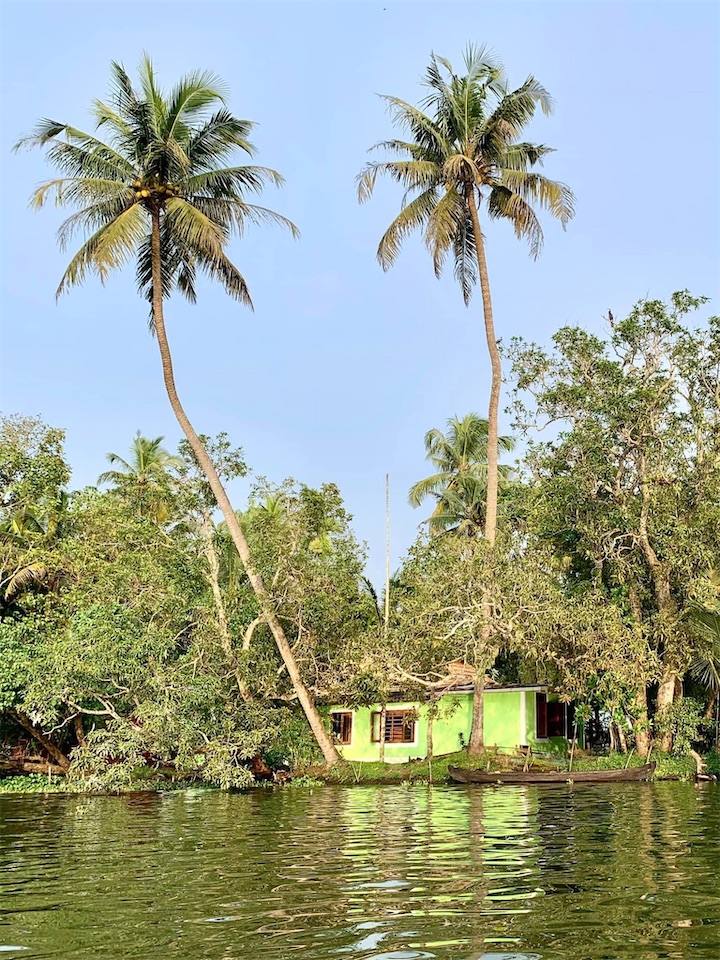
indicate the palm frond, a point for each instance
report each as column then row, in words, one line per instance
column 522, row 156
column 217, row 139
column 442, row 227
column 425, row 130
column 429, row 485
column 191, row 226
column 417, row 213
column 90, row 218
column 107, row 249
column 465, row 255
column 189, row 98
column 229, row 182
column 156, row 103
column 549, row 195
column 79, row 153
column 33, row 574
column 234, row 215
column 504, row 204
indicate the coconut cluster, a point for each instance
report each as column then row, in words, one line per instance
column 147, row 188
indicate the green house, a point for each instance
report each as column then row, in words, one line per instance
column 514, row 716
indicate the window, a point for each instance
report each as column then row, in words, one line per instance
column 553, row 719
column 556, row 720
column 541, row 716
column 342, row 727
column 399, row 726
column 561, row 720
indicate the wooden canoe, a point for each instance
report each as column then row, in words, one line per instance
column 552, row 776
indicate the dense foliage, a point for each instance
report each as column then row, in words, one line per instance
column 131, row 638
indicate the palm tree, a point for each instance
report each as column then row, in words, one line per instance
column 149, row 463
column 145, row 474
column 27, row 535
column 459, row 484
column 461, row 154
column 158, row 189
column 705, row 665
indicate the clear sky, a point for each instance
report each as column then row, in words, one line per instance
column 342, row 368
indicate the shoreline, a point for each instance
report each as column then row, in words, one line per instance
column 415, row 773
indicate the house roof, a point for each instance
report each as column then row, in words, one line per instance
column 461, row 679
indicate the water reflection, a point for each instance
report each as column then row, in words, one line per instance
column 557, row 873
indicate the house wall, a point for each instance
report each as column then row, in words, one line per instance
column 509, row 722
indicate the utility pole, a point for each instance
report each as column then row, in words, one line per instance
column 387, row 552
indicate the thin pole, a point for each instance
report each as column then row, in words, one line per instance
column 387, row 552
column 574, row 741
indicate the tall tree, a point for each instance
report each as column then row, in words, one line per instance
column 628, row 491
column 464, row 154
column 158, row 189
column 459, row 484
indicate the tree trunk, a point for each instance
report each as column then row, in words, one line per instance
column 621, row 738
column 491, row 497
column 382, row 734
column 213, row 563
column 477, row 731
column 79, row 729
column 16, row 767
column 665, row 700
column 45, row 742
column 430, row 721
column 640, row 722
column 660, row 576
column 307, row 703
column 710, row 709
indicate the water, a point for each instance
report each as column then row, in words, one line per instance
column 623, row 872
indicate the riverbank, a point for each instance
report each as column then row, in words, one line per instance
column 416, row 772
column 669, row 767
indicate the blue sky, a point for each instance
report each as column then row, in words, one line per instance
column 342, row 368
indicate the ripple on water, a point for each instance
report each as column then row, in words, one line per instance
column 621, row 872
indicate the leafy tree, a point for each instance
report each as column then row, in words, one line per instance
column 33, row 504
column 628, row 491
column 460, row 483
column 158, row 189
column 464, row 152
column 303, row 543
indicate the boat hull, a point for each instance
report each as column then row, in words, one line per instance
column 553, row 776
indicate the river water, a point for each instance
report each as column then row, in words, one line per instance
column 610, row 872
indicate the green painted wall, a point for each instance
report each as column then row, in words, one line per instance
column 509, row 722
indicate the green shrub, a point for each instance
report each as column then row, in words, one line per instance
column 33, row 783
column 712, row 762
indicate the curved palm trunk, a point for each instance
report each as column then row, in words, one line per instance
column 496, row 381
column 322, row 736
column 477, row 740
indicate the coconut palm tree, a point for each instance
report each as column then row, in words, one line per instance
column 158, row 189
column 459, row 485
column 145, row 475
column 149, row 463
column 463, row 154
